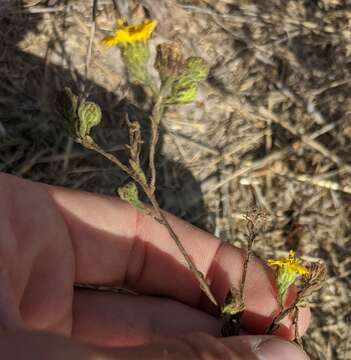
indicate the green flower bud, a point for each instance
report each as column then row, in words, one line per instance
column 183, row 95
column 184, row 91
column 89, row 115
column 196, row 68
column 78, row 118
column 184, row 88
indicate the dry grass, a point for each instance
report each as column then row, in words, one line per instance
column 271, row 129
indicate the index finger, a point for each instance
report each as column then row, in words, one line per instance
column 115, row 244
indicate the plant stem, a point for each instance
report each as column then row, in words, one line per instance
column 158, row 214
column 275, row 323
column 91, row 145
column 251, row 239
column 149, row 82
column 149, row 190
column 199, row 276
column 155, row 120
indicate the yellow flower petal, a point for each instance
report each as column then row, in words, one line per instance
column 125, row 34
column 290, row 263
column 109, row 41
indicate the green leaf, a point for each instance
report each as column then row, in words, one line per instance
column 138, row 170
column 129, row 193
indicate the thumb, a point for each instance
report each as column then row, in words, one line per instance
column 201, row 346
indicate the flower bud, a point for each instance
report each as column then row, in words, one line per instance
column 185, row 86
column 89, row 115
column 197, row 68
column 184, row 91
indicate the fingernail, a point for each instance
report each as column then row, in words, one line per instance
column 275, row 348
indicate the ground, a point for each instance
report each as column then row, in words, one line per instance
column 270, row 129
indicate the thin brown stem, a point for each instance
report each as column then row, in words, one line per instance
column 91, row 145
column 149, row 190
column 244, row 273
column 276, row 321
column 251, row 238
column 155, row 122
column 199, row 276
column 158, row 214
column 234, row 303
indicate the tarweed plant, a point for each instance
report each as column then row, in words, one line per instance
column 179, row 80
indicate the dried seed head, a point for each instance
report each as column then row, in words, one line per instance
column 313, row 281
column 169, row 61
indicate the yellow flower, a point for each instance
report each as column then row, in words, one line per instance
column 291, row 263
column 126, row 34
column 288, row 269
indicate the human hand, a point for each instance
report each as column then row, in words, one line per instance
column 53, row 237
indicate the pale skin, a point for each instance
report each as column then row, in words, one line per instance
column 53, row 237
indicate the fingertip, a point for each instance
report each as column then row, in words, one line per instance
column 304, row 319
column 287, row 329
column 264, row 348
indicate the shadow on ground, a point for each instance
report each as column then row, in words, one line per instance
column 33, row 144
